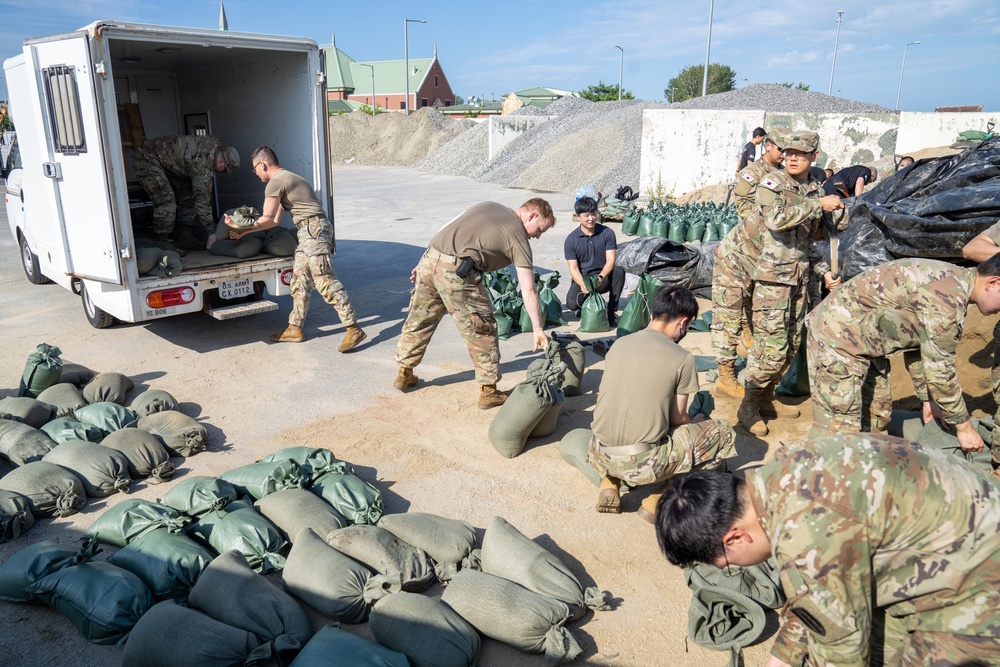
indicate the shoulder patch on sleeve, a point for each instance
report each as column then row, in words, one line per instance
column 748, row 178
column 770, row 184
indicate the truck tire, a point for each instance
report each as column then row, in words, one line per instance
column 29, row 262
column 97, row 317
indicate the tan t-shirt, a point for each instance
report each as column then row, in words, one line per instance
column 994, row 232
column 296, row 195
column 490, row 233
column 643, row 373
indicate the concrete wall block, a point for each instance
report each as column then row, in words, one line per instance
column 844, row 139
column 919, row 130
column 505, row 129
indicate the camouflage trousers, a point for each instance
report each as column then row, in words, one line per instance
column 172, row 196
column 439, row 290
column 849, row 395
column 731, row 299
column 312, row 267
column 995, row 377
column 941, row 649
column 699, row 445
column 779, row 313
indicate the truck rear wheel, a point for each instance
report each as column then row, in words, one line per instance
column 97, row 317
column 30, row 263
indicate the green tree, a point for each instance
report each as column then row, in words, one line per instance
column 687, row 83
column 459, row 100
column 604, row 92
column 796, row 86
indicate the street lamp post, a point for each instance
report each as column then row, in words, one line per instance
column 621, row 63
column 836, row 43
column 902, row 67
column 406, row 60
column 372, row 68
column 708, row 49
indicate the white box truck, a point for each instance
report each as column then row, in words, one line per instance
column 81, row 101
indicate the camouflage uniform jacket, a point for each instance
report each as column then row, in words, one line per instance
column 914, row 305
column 739, row 250
column 745, row 189
column 856, row 520
column 191, row 157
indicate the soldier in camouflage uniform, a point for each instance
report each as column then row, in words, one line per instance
column 449, row 279
column 734, row 266
column 916, row 306
column 887, row 550
column 792, row 210
column 177, row 173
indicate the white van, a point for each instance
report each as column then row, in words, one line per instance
column 80, row 102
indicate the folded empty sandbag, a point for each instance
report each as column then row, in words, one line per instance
column 30, row 411
column 64, row 398
column 41, row 371
column 314, row 461
column 107, row 416
column 147, row 457
column 102, row 470
column 76, row 374
column 20, row 443
column 108, row 387
column 15, row 515
column 36, row 562
column 386, row 554
column 168, row 563
column 153, row 400
column 291, row 510
column 50, row 489
column 349, row 649
column 428, row 632
column 133, row 518
column 180, row 434
column 197, row 495
column 239, row 526
column 260, row 479
column 447, row 541
column 354, row 498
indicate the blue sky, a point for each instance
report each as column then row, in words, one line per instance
column 491, row 49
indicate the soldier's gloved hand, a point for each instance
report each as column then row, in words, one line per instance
column 968, row 437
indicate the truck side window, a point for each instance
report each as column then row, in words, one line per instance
column 64, row 109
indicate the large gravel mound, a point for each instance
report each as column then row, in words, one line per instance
column 390, row 139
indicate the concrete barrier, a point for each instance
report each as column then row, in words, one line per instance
column 505, row 129
column 844, row 139
column 923, row 130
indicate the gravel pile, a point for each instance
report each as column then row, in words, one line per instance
column 466, row 154
column 775, row 97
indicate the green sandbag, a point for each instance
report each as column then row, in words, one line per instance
column 36, row 562
column 146, row 259
column 973, row 135
column 677, row 229
column 314, row 461
column 527, row 404
column 508, row 553
column 230, row 592
column 695, row 231
column 507, row 310
column 76, row 374
column 549, row 303
column 170, row 265
column 355, row 499
column 15, row 515
column 507, row 612
column 242, row 249
column 168, row 563
column 547, row 424
column 197, row 495
column 151, row 401
column 71, row 428
column 573, row 356
column 30, row 411
column 933, row 436
column 41, row 371
column 239, row 526
column 282, row 243
column 637, row 313
column 107, row 416
column 659, row 227
column 103, row 601
column 332, row 583
column 180, row 434
column 524, row 320
column 103, row 471
column 594, row 310
column 292, row 510
column 169, row 635
column 795, row 381
column 428, row 632
column 447, row 541
column 260, row 479
column 20, row 443
column 385, row 553
column 131, row 519
column 349, row 649
column 574, row 447
column 64, row 398
column 112, row 387
column 711, row 233
column 645, row 227
column 630, row 222
column 147, row 457
column 51, row 489
column 703, row 403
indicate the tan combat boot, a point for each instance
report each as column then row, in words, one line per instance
column 608, row 499
column 293, row 334
column 749, row 413
column 405, row 379
column 745, row 343
column 727, row 383
column 489, row 397
column 772, row 408
column 352, row 339
column 647, row 510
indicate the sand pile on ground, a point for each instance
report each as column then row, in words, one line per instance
column 390, row 139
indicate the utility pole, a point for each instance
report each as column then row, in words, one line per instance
column 836, row 43
column 621, row 63
column 708, row 49
column 406, row 59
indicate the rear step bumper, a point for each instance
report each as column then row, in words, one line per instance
column 241, row 310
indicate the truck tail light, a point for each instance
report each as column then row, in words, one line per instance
column 175, row 296
column 286, row 277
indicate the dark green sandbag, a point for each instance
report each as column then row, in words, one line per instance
column 170, row 635
column 108, row 387
column 20, row 443
column 152, row 401
column 260, row 479
column 170, row 265
column 386, row 554
column 102, row 470
column 507, row 612
column 508, row 553
column 646, row 220
column 314, row 461
column 36, row 562
column 795, row 381
column 527, row 404
column 281, row 243
column 76, row 374
column 630, row 222
column 41, row 371
column 246, row 247
column 447, row 541
column 428, row 632
column 180, row 434
column 103, row 601
column 349, row 649
column 230, row 592
column 30, row 411
column 637, row 313
column 660, row 226
column 107, row 416
column 64, row 398
column 677, row 229
column 71, row 428
column 168, row 563
column 292, row 510
column 695, row 231
column 574, row 447
column 146, row 259
column 573, row 356
column 355, row 499
column 147, row 457
column 197, row 495
column 547, row 424
column 15, row 515
column 594, row 310
column 524, row 320
column 239, row 526
column 131, row 519
column 933, row 436
column 549, row 303
column 507, row 310
column 51, row 489
column 333, row 583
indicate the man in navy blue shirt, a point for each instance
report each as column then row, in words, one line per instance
column 590, row 250
column 850, row 182
column 749, row 153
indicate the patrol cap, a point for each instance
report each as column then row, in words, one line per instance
column 232, row 158
column 799, row 140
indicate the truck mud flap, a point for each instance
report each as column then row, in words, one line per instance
column 241, row 310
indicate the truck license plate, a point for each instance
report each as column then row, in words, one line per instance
column 234, row 289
